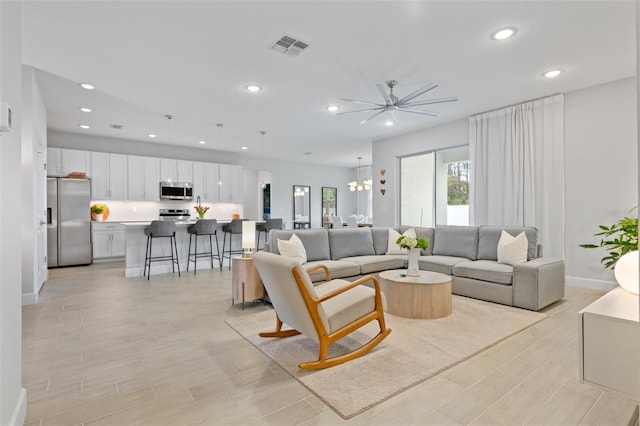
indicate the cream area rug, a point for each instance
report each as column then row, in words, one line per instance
column 414, row 351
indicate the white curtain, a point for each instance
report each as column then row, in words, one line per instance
column 517, row 169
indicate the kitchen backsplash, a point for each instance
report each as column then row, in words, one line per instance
column 148, row 210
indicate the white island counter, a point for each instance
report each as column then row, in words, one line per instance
column 136, row 243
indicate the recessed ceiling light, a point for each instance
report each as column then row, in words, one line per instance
column 389, row 123
column 151, row 135
column 333, row 108
column 202, row 142
column 85, row 109
column 552, row 73
column 503, row 34
column 84, row 126
column 253, row 88
column 245, row 148
column 87, row 86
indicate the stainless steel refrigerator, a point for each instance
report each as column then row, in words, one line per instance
column 68, row 222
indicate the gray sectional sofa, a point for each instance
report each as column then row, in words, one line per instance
column 467, row 253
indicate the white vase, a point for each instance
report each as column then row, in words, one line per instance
column 412, row 265
column 99, row 217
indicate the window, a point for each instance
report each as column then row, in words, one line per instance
column 434, row 188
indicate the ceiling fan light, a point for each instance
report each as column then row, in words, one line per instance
column 503, row 34
column 333, row 108
column 389, row 123
column 253, row 88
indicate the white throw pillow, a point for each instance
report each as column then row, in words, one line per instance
column 293, row 248
column 512, row 250
column 392, row 247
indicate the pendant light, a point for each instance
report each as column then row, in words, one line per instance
column 360, row 185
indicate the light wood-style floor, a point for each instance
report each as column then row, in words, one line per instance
column 99, row 349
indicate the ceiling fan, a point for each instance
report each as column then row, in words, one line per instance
column 394, row 105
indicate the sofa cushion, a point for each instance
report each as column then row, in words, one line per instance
column 457, row 241
column 315, row 241
column 350, row 242
column 442, row 264
column 485, row 270
column 338, row 269
column 512, row 250
column 426, row 233
column 293, row 248
column 377, row 263
column 488, row 237
column 380, row 237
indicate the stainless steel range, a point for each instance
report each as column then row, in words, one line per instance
column 174, row 214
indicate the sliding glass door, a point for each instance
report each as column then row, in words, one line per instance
column 434, row 188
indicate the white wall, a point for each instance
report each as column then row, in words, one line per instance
column 601, row 172
column 600, row 160
column 285, row 174
column 34, row 133
column 12, row 395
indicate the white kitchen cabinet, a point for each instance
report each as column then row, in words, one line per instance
column 176, row 170
column 610, row 343
column 108, row 176
column 108, row 241
column 205, row 181
column 143, row 178
column 230, row 183
column 61, row 162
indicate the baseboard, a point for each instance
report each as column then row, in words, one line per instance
column 29, row 299
column 20, row 412
column 590, row 284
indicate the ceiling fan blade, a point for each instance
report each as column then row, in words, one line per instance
column 419, row 111
column 384, row 94
column 432, row 101
column 361, row 102
column 359, row 110
column 417, row 93
column 373, row 116
column 396, row 117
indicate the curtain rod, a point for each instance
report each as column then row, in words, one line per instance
column 512, row 105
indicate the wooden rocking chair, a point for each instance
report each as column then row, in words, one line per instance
column 326, row 313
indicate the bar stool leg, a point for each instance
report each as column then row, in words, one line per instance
column 150, row 245
column 189, row 252
column 218, row 250
column 195, row 256
column 146, row 257
column 176, row 246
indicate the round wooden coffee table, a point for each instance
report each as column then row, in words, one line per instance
column 427, row 296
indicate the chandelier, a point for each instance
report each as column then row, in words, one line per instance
column 360, row 185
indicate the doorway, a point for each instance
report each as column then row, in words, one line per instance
column 266, row 201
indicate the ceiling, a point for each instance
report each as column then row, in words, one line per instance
column 194, row 59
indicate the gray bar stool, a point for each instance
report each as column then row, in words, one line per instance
column 203, row 227
column 161, row 229
column 232, row 228
column 265, row 227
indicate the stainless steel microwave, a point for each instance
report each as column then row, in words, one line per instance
column 176, row 191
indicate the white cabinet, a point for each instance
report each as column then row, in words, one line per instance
column 610, row 343
column 205, row 181
column 108, row 176
column 108, row 240
column 143, row 178
column 61, row 162
column 176, row 170
column 230, row 183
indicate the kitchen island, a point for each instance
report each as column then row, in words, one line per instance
column 136, row 243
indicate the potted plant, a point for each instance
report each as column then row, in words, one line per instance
column 414, row 247
column 201, row 210
column 618, row 239
column 98, row 210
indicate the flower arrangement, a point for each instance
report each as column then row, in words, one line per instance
column 98, row 208
column 201, row 210
column 407, row 242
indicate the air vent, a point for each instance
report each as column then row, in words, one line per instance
column 116, row 126
column 289, row 46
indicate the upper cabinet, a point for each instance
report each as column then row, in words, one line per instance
column 230, row 183
column 205, row 181
column 108, row 176
column 61, row 162
column 143, row 178
column 176, row 170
